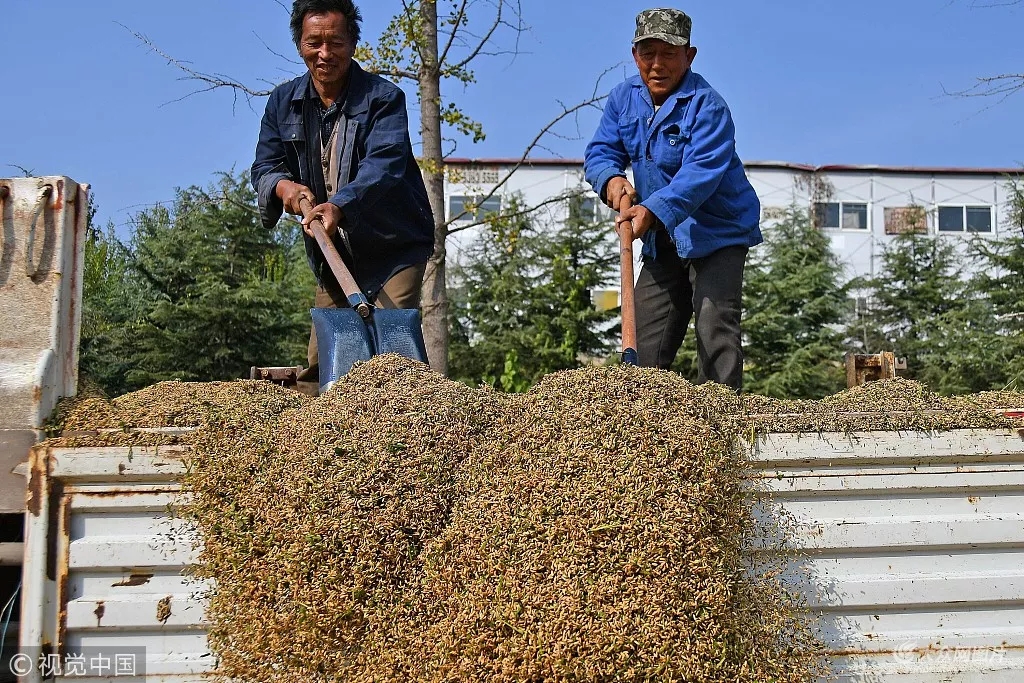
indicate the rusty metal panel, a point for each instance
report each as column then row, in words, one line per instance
column 106, row 559
column 14, row 448
column 911, row 549
column 43, row 223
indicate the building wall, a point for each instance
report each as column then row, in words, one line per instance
column 534, row 184
column 888, row 194
column 877, row 191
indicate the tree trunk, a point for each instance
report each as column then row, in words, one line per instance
column 435, row 290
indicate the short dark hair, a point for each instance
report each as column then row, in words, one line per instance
column 300, row 8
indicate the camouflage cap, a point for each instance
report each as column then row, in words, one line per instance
column 670, row 25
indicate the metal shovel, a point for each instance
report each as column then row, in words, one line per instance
column 347, row 335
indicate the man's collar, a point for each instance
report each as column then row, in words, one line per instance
column 355, row 100
column 687, row 88
column 301, row 91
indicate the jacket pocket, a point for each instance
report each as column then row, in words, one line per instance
column 669, row 152
column 629, row 133
column 291, row 132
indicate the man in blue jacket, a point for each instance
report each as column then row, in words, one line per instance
column 339, row 137
column 692, row 205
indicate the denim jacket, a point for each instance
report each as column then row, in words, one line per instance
column 380, row 191
column 685, row 166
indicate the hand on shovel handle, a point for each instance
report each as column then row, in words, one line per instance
column 341, row 272
column 625, row 230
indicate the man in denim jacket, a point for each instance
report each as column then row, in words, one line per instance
column 339, row 137
column 692, row 205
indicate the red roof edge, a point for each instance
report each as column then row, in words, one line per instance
column 780, row 165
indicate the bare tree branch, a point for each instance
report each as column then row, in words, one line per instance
column 987, row 5
column 223, row 197
column 485, row 39
column 1001, row 86
column 455, row 29
column 395, row 73
column 566, row 112
column 27, row 172
column 209, row 81
column 286, row 58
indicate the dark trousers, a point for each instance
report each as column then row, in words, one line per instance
column 671, row 290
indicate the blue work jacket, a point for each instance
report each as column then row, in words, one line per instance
column 685, row 166
column 387, row 218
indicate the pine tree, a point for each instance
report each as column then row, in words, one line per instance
column 999, row 281
column 522, row 299
column 918, row 306
column 490, row 330
column 576, row 259
column 219, row 292
column 111, row 305
column 794, row 307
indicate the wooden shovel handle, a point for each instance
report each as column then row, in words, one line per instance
column 341, row 272
column 626, row 287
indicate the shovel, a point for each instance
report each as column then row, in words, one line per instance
column 347, row 335
column 628, row 306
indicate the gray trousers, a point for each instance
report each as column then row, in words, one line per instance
column 671, row 290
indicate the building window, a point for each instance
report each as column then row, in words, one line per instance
column 951, row 218
column 979, row 219
column 475, row 208
column 971, row 218
column 593, row 210
column 841, row 215
column 900, row 220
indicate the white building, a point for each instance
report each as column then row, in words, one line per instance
column 861, row 207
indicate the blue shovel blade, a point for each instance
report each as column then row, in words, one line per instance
column 343, row 338
column 399, row 331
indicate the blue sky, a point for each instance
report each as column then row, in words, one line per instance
column 809, row 81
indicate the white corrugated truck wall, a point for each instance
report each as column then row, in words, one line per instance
column 105, row 566
column 912, row 550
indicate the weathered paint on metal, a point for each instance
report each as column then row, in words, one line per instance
column 41, row 268
column 121, row 559
column 38, row 590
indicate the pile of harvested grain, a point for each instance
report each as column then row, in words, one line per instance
column 890, row 405
column 598, row 538
column 405, row 527
column 95, row 420
column 314, row 525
